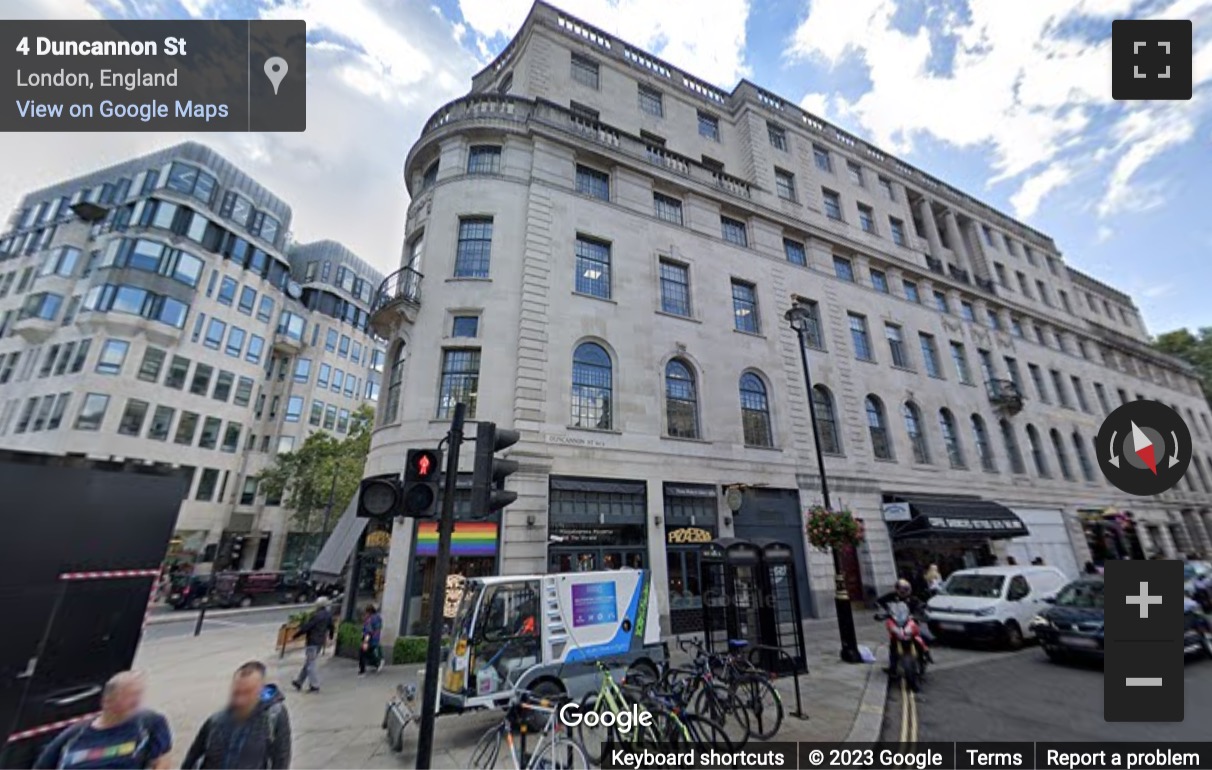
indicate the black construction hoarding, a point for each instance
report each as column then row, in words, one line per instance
column 81, row 542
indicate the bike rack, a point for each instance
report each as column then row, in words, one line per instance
column 795, row 675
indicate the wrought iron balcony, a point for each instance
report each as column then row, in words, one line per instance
column 398, row 296
column 959, row 274
column 986, row 285
column 1004, row 394
column 936, row 266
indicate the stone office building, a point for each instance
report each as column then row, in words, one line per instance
column 157, row 310
column 608, row 246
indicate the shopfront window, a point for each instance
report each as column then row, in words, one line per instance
column 690, row 521
column 597, row 524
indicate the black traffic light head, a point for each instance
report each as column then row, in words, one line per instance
column 422, row 471
column 491, row 471
column 385, row 497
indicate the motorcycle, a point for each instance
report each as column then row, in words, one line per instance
column 909, row 652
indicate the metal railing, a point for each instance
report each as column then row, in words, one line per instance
column 404, row 285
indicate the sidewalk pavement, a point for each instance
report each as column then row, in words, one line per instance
column 340, row 727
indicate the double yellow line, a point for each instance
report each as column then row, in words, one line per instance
column 908, row 714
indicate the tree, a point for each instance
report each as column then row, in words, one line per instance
column 1195, row 349
column 324, row 470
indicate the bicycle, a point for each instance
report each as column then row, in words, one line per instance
column 555, row 750
column 711, row 699
column 749, row 683
column 665, row 727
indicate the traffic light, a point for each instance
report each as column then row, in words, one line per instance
column 422, row 470
column 385, row 497
column 490, row 471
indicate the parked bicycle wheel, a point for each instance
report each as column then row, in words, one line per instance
column 488, row 749
column 703, row 733
column 560, row 753
column 718, row 704
column 593, row 739
column 761, row 699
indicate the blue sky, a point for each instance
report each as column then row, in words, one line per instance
column 1009, row 101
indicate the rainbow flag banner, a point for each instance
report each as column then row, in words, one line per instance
column 470, row 538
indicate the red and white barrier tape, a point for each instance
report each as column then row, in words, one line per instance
column 109, row 574
column 43, row 729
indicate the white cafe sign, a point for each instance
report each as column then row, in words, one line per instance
column 895, row 511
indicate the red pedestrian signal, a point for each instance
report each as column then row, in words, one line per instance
column 425, row 464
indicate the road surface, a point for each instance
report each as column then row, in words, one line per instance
column 1023, row 696
column 182, row 623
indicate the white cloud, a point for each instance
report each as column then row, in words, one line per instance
column 1026, row 201
column 705, row 39
column 1038, row 101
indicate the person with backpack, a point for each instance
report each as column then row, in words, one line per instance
column 123, row 735
column 252, row 732
column 318, row 629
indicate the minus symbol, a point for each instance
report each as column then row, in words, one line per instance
column 1143, row 681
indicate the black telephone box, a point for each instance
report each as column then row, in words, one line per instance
column 81, row 544
column 750, row 593
column 731, row 596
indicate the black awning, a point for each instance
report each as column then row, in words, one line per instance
column 956, row 516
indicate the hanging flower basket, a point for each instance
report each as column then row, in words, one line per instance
column 833, row 529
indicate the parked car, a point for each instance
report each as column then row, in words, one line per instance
column 1073, row 624
column 188, row 591
column 992, row 603
column 244, row 589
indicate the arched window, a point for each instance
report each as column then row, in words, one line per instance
column 1037, row 452
column 1062, row 456
column 681, row 400
column 1083, row 459
column 946, row 423
column 755, row 411
column 395, row 386
column 984, row 450
column 877, row 426
column 826, row 420
column 592, row 387
column 1011, row 442
column 917, row 436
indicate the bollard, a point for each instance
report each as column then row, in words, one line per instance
column 201, row 617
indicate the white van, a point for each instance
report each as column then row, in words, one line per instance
column 547, row 633
column 992, row 603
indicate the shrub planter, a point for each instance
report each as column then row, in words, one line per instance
column 349, row 640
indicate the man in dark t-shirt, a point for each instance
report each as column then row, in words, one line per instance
column 122, row 736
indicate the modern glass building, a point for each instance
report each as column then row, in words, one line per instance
column 158, row 310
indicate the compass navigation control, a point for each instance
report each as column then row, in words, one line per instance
column 1144, row 447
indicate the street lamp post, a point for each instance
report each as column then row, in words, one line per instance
column 799, row 319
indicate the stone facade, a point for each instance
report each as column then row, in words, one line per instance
column 564, row 143
column 249, row 344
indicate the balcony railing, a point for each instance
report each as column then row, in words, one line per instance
column 1005, row 394
column 936, row 266
column 404, row 285
column 986, row 285
column 959, row 274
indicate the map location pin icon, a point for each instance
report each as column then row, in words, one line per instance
column 275, row 70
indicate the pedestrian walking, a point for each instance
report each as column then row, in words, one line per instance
column 253, row 731
column 318, row 628
column 123, row 735
column 371, row 651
